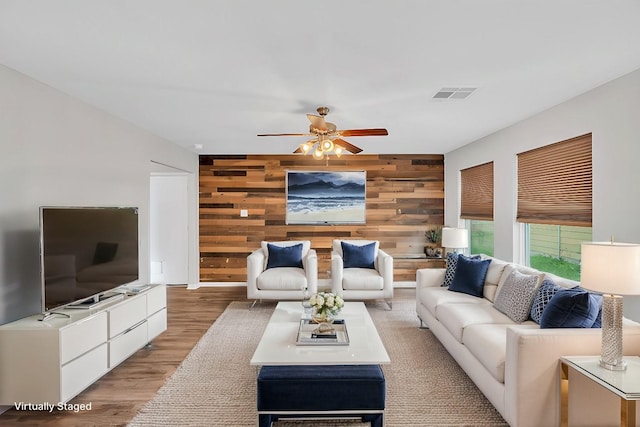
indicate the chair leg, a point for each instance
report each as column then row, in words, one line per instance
column 253, row 304
column 390, row 304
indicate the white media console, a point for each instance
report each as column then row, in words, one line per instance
column 56, row 359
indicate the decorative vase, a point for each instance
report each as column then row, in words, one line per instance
column 322, row 318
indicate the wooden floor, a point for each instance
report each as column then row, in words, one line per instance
column 117, row 397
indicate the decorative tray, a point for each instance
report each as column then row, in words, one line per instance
column 311, row 333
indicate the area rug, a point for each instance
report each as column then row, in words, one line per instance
column 216, row 386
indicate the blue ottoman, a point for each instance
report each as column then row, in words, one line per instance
column 342, row 391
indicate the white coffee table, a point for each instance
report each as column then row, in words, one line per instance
column 278, row 343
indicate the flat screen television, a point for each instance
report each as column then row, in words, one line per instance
column 85, row 252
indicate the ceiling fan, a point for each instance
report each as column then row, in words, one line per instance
column 327, row 138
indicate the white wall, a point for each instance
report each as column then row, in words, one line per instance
column 57, row 150
column 612, row 113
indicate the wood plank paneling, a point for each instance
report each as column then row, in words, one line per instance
column 405, row 197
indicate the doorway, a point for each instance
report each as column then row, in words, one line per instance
column 169, row 229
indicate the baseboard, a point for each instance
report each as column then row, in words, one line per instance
column 192, row 286
column 322, row 284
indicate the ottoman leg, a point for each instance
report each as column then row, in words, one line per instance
column 264, row 420
column 376, row 420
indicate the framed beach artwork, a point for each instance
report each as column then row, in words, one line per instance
column 320, row 197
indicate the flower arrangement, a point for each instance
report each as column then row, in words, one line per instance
column 326, row 304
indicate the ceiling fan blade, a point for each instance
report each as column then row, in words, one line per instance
column 284, row 134
column 347, row 146
column 363, row 132
column 317, row 122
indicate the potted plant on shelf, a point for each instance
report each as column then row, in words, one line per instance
column 433, row 238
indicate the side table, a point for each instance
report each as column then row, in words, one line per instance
column 624, row 384
column 405, row 265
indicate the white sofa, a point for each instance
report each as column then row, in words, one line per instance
column 516, row 365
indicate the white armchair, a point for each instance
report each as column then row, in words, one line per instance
column 362, row 271
column 282, row 271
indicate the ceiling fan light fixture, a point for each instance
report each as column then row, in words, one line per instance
column 306, row 146
column 327, row 145
column 328, row 139
column 318, row 154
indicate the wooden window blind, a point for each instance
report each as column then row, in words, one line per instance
column 555, row 183
column 477, row 192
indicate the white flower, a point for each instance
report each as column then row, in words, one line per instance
column 329, row 300
column 326, row 302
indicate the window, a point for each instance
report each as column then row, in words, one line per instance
column 476, row 206
column 480, row 237
column 554, row 203
column 556, row 248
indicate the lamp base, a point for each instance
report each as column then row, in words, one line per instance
column 612, row 310
column 620, row 366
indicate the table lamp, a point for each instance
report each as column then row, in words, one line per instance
column 455, row 238
column 614, row 270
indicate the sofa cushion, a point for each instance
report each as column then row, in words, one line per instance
column 469, row 276
column 361, row 279
column 358, row 256
column 456, row 317
column 571, row 308
column 562, row 282
column 282, row 278
column 284, row 256
column 452, row 263
column 496, row 268
column 545, row 292
column 488, row 344
column 431, row 297
column 516, row 295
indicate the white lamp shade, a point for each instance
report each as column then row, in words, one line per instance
column 455, row 238
column 611, row 268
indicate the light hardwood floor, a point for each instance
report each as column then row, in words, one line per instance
column 117, row 397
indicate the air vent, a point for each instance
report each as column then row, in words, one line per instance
column 454, row 92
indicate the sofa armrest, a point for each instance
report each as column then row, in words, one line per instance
column 337, row 265
column 429, row 277
column 385, row 268
column 532, row 369
column 255, row 266
column 310, row 264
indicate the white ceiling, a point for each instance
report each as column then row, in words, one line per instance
column 217, row 73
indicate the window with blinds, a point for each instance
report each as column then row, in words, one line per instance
column 555, row 183
column 477, row 192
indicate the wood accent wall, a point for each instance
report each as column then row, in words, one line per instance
column 405, row 197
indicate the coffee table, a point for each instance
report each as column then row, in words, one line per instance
column 320, row 381
column 278, row 343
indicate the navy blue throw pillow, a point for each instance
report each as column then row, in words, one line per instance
column 571, row 308
column 470, row 275
column 358, row 256
column 452, row 262
column 284, row 256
